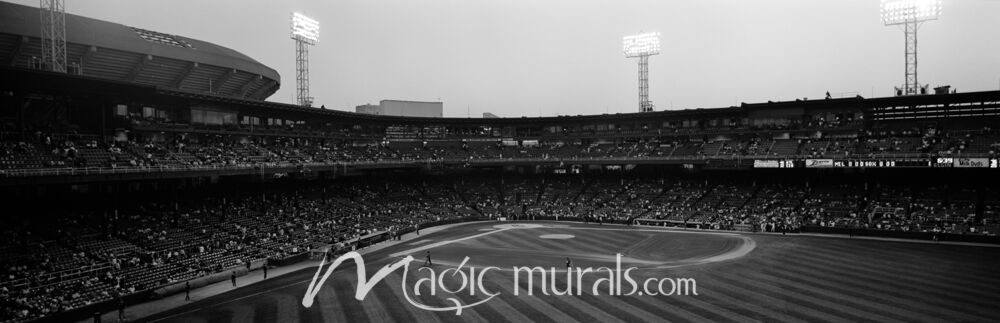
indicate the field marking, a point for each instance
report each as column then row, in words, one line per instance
column 747, row 245
column 445, row 242
column 652, row 230
column 745, row 248
column 557, row 236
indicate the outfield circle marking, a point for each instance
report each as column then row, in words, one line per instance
column 518, row 226
column 557, row 236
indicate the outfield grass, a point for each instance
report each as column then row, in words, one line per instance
column 739, row 278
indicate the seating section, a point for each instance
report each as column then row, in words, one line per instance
column 219, row 151
column 91, row 257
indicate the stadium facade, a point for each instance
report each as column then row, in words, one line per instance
column 111, row 51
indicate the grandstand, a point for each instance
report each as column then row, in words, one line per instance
column 159, row 162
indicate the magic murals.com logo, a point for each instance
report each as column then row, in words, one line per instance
column 467, row 279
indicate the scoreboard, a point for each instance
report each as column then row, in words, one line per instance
column 882, row 163
column 949, row 162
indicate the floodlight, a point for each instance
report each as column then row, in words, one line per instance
column 305, row 32
column 895, row 12
column 642, row 44
column 910, row 14
column 305, row 28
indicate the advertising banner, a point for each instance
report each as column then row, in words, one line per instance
column 972, row 162
column 819, row 163
column 766, row 164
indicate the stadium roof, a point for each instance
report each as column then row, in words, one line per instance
column 122, row 53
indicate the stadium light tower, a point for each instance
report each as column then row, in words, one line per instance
column 910, row 14
column 53, row 15
column 643, row 46
column 305, row 32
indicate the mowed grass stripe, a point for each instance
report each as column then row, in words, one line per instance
column 313, row 314
column 659, row 305
column 577, row 245
column 384, row 296
column 913, row 292
column 515, row 239
column 692, row 304
column 924, row 281
column 598, row 309
column 265, row 310
column 242, row 313
column 532, row 242
column 590, row 244
column 967, row 254
column 288, row 308
column 430, row 300
column 723, row 296
column 578, row 314
column 859, row 260
column 499, row 306
column 378, row 312
column 484, row 312
column 664, row 309
column 223, row 315
column 529, row 305
column 493, row 240
column 827, row 297
column 398, row 299
column 708, row 303
column 371, row 306
column 916, row 255
column 327, row 301
column 985, row 279
column 615, row 307
column 345, row 289
column 858, row 286
column 792, row 306
column 585, row 246
column 921, row 255
column 855, row 286
column 613, row 240
column 648, row 304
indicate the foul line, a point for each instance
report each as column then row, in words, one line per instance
column 441, row 243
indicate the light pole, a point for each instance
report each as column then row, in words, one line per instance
column 305, row 32
column 910, row 14
column 643, row 46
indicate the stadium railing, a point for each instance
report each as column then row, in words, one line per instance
column 71, row 171
column 974, row 238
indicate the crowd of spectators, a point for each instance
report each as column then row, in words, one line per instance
column 92, row 256
column 42, row 151
column 97, row 257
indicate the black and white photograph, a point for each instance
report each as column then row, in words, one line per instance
column 587, row 161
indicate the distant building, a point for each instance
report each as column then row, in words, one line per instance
column 369, row 109
column 487, row 115
column 404, row 108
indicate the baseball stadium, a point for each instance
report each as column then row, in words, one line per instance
column 147, row 177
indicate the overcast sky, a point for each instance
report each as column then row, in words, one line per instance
column 530, row 57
